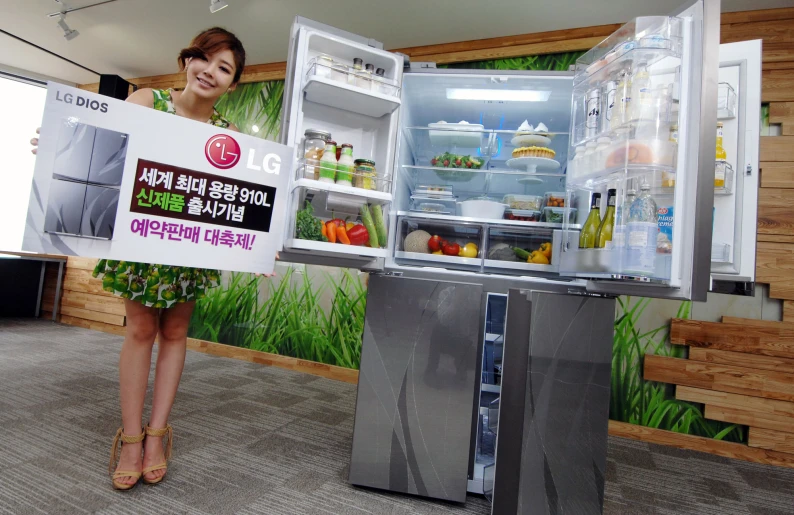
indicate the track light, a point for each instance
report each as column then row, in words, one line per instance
column 217, row 5
column 68, row 33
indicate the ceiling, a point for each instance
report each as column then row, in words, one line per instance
column 136, row 38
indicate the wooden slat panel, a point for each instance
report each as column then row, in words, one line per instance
column 788, row 311
column 772, row 440
column 774, row 265
column 777, row 53
column 81, row 263
column 310, row 367
column 786, row 13
column 571, row 45
column 91, row 324
column 738, row 416
column 741, row 359
column 777, row 148
column 741, row 409
column 99, row 304
column 775, row 238
column 754, row 340
column 96, row 316
column 782, row 113
column 723, row 378
column 777, row 86
column 771, row 324
column 777, row 175
column 771, row 31
column 83, row 281
column 775, row 213
column 698, row 443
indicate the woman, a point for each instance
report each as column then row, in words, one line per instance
column 159, row 300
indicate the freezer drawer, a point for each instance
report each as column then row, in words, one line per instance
column 416, row 391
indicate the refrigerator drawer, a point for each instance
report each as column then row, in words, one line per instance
column 412, row 246
column 522, row 251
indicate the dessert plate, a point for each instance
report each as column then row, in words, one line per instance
column 529, row 140
column 533, row 164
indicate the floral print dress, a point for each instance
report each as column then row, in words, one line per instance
column 159, row 286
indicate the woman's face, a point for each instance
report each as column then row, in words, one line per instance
column 211, row 77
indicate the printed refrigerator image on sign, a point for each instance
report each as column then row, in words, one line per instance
column 111, row 178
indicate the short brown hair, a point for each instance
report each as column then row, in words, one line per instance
column 211, row 41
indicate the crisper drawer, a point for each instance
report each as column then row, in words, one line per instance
column 522, row 250
column 316, row 207
column 413, row 245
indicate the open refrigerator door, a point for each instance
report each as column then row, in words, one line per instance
column 642, row 136
column 340, row 114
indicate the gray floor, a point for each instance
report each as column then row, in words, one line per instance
column 255, row 439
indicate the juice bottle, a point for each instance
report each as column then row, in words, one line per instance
column 345, row 166
column 604, row 233
column 587, row 238
column 722, row 156
column 328, row 163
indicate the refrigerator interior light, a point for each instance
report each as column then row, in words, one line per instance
column 504, row 95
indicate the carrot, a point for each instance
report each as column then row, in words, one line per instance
column 341, row 235
column 330, row 228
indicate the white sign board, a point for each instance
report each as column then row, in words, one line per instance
column 119, row 181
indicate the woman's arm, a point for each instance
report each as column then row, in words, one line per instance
column 142, row 97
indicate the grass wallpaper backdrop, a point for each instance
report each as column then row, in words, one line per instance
column 317, row 313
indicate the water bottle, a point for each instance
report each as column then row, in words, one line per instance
column 642, row 230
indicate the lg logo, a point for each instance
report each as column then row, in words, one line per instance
column 223, row 152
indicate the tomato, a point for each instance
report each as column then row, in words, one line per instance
column 435, row 243
column 451, row 249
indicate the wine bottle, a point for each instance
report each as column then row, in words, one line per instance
column 587, row 238
column 604, row 233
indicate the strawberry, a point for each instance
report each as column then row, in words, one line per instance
column 434, row 161
column 446, row 162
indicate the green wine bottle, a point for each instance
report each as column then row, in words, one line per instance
column 604, row 233
column 587, row 238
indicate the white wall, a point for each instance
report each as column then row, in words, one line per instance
column 23, row 106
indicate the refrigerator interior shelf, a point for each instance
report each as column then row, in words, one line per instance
column 470, row 172
column 332, row 93
column 592, row 180
column 726, row 101
column 512, row 224
column 720, row 253
column 355, row 195
column 335, row 248
column 533, row 164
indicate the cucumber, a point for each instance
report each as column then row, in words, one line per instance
column 522, row 254
column 366, row 219
column 377, row 217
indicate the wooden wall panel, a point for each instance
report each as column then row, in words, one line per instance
column 775, row 266
column 768, row 341
column 783, row 113
column 775, row 212
column 777, row 175
column 741, row 359
column 777, row 148
column 773, row 440
column 776, row 85
column 723, row 378
column 741, row 409
column 744, row 418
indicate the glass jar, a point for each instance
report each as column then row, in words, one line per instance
column 345, row 166
column 327, row 168
column 358, row 67
column 313, row 147
column 339, row 72
column 366, row 175
column 324, row 66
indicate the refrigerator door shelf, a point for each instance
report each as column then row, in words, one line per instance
column 363, row 181
column 332, row 93
column 295, row 244
column 726, row 101
column 357, row 196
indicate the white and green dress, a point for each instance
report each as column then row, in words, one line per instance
column 159, row 286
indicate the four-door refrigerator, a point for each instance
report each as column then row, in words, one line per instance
column 487, row 345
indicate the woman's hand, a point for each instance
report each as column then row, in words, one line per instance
column 35, row 141
column 273, row 274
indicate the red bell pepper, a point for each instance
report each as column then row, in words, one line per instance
column 358, row 235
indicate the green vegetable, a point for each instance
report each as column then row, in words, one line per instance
column 366, row 219
column 307, row 226
column 377, row 216
column 522, row 254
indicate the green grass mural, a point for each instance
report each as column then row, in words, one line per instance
column 255, row 108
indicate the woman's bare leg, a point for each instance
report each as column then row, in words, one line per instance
column 170, row 361
column 134, row 363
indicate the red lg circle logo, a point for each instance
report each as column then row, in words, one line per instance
column 222, row 151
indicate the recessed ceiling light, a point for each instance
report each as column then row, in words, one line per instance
column 217, row 5
column 502, row 95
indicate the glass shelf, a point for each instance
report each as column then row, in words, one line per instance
column 426, row 143
column 726, row 101
column 310, row 172
column 340, row 87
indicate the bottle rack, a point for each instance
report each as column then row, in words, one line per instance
column 309, row 171
column 726, row 101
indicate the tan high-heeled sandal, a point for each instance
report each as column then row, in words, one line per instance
column 168, row 433
column 114, row 457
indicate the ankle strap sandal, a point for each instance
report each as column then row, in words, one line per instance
column 168, row 433
column 118, row 440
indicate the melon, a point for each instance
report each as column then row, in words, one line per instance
column 416, row 241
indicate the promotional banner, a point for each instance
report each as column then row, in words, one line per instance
column 120, row 181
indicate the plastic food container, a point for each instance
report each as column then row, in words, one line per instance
column 426, row 204
column 554, row 199
column 523, row 202
column 429, row 190
column 522, row 215
column 556, row 215
column 482, row 208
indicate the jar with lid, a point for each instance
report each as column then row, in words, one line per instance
column 366, row 176
column 323, row 65
column 364, row 77
column 328, row 163
column 358, row 67
column 345, row 166
column 313, row 147
column 379, row 83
